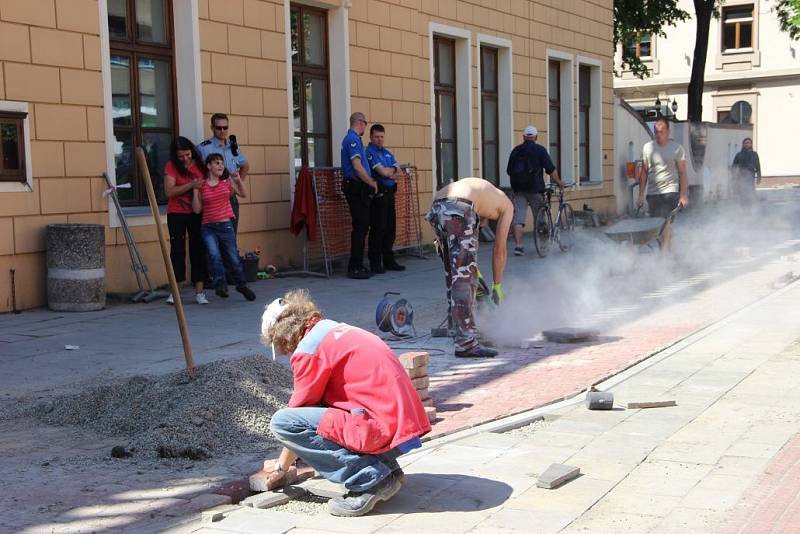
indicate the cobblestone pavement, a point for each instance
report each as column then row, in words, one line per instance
column 60, row 479
column 724, row 459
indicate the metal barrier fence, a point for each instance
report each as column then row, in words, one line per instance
column 334, row 224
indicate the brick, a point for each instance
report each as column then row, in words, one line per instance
column 423, row 393
column 411, row 360
column 259, row 14
column 430, row 411
column 91, row 52
column 262, row 73
column 56, row 47
column 417, row 372
column 421, row 383
column 246, row 101
column 57, row 122
column 32, row 83
column 85, row 159
column 213, row 36
column 65, row 195
column 244, row 41
column 78, row 15
column 653, row 404
column 81, row 87
column 14, row 43
column 231, row 11
column 556, row 475
column 427, row 402
column 228, row 69
column 265, row 500
column 34, row 12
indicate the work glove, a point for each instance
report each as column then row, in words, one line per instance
column 480, row 292
column 498, row 295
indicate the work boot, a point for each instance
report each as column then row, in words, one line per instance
column 476, row 352
column 358, row 503
column 519, row 251
column 247, row 292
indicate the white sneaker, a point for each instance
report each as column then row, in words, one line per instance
column 201, row 298
column 170, row 300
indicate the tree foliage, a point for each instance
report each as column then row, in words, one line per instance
column 641, row 17
column 789, row 17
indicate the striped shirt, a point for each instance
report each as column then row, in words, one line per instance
column 216, row 202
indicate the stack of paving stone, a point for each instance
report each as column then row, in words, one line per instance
column 416, row 365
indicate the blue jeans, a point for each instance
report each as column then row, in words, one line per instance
column 220, row 239
column 296, row 429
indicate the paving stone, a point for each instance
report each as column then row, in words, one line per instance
column 209, row 500
column 557, row 474
column 323, row 488
column 430, row 411
column 411, row 360
column 423, row 393
column 417, row 372
column 427, row 402
column 421, row 383
column 651, row 404
column 570, row 335
column 264, row 500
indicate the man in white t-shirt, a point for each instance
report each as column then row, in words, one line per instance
column 664, row 174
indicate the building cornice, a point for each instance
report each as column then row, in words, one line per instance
column 730, row 78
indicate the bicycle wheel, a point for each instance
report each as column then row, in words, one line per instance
column 542, row 226
column 566, row 228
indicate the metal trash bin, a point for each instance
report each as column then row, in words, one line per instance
column 76, row 274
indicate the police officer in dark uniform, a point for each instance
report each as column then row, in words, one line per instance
column 382, row 223
column 235, row 161
column 359, row 188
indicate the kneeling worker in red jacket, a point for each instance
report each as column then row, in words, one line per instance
column 353, row 410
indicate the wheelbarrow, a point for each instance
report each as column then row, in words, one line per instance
column 641, row 231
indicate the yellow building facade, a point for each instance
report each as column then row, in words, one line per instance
column 454, row 82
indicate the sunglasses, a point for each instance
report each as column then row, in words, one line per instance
column 220, row 127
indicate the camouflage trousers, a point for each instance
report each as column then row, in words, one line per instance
column 455, row 224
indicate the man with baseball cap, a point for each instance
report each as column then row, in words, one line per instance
column 525, row 165
column 353, row 409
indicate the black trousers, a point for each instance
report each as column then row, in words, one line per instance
column 235, row 207
column 359, row 197
column 180, row 224
column 382, row 226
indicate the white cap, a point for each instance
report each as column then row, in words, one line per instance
column 271, row 313
column 530, row 131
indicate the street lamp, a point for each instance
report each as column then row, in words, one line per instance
column 658, row 106
column 674, row 105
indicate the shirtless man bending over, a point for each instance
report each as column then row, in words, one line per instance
column 457, row 211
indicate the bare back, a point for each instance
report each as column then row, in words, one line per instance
column 489, row 202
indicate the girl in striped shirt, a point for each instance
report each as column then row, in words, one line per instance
column 212, row 199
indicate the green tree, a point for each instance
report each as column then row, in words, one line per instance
column 789, row 17
column 633, row 18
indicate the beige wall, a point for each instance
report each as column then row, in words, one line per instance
column 50, row 57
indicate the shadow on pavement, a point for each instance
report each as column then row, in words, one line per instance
column 432, row 492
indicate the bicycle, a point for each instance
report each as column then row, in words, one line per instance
column 562, row 232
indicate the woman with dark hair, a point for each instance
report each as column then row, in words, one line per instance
column 183, row 174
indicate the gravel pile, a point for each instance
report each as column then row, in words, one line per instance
column 305, row 504
column 225, row 409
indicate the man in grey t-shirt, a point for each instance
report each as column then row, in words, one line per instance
column 664, row 173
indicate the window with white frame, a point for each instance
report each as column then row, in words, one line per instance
column 560, row 115
column 590, row 133
column 451, row 95
column 737, row 27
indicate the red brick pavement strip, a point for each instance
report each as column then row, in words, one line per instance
column 772, row 503
column 519, row 380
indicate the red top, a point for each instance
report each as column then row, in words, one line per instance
column 216, row 202
column 182, row 203
column 372, row 404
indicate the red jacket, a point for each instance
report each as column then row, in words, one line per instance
column 373, row 406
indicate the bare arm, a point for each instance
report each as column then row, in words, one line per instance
column 244, row 170
column 555, row 177
column 363, row 175
column 238, row 186
column 197, row 201
column 173, row 190
column 684, row 184
column 286, row 459
column 642, row 182
column 500, row 250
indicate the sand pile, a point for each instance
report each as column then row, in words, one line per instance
column 226, row 409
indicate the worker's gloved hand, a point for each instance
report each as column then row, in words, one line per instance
column 498, row 295
column 480, row 293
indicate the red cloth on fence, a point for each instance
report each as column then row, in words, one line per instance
column 304, row 210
